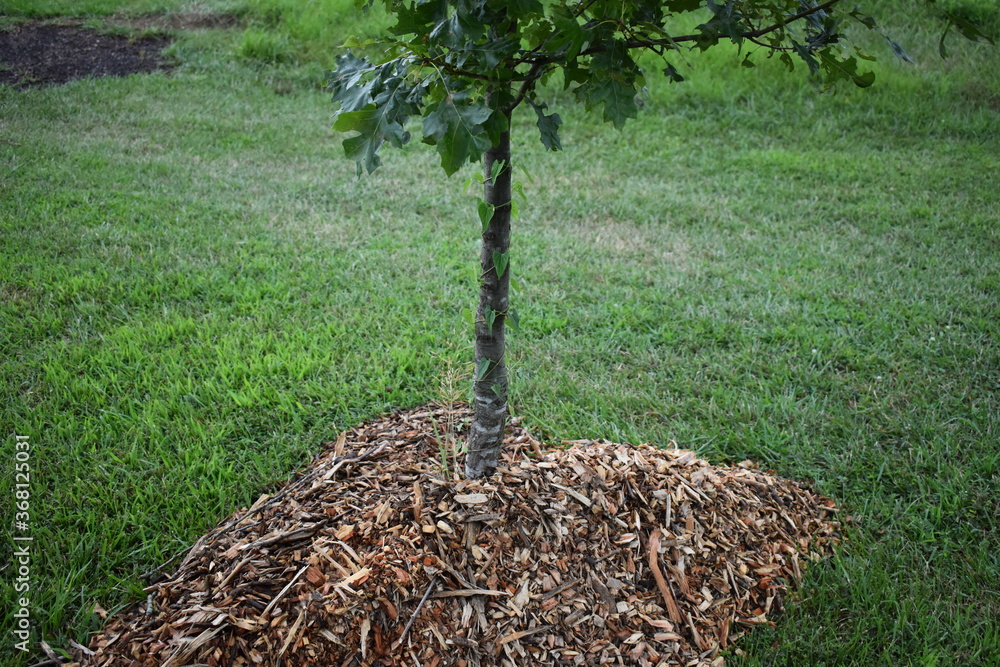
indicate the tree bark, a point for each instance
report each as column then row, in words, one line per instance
column 490, row 390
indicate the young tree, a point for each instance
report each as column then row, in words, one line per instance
column 464, row 66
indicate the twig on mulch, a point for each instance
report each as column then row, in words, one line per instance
column 668, row 595
column 416, row 612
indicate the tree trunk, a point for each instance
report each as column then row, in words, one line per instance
column 490, row 389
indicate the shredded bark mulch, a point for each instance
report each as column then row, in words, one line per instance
column 379, row 555
column 34, row 54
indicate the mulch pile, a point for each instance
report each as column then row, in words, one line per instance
column 44, row 53
column 379, row 555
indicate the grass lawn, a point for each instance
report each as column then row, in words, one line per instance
column 196, row 292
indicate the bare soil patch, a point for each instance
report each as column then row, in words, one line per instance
column 379, row 555
column 41, row 53
column 35, row 54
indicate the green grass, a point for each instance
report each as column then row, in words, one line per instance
column 196, row 293
column 86, row 8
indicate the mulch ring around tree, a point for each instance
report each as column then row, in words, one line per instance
column 34, row 54
column 379, row 554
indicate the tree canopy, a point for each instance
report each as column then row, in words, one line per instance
column 445, row 55
column 463, row 66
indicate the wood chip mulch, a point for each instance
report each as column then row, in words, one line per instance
column 600, row 553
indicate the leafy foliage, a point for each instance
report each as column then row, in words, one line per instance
column 500, row 262
column 376, row 102
column 456, row 125
column 464, row 65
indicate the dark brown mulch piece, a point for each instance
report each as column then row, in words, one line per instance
column 40, row 53
column 379, row 555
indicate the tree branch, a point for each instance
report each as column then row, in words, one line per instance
column 671, row 42
column 396, row 644
column 451, row 69
column 770, row 46
column 538, row 64
column 760, row 32
column 534, row 74
column 795, row 17
column 582, row 7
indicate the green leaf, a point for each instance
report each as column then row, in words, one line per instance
column 617, row 97
column 514, row 319
column 485, row 214
column 375, row 102
column 968, row 29
column 515, row 282
column 500, row 262
column 482, row 368
column 348, row 85
column 464, row 25
column 455, row 126
column 864, row 56
column 374, row 127
column 569, row 36
column 497, row 389
column 495, row 126
column 548, row 126
column 467, row 184
column 515, row 210
column 942, row 49
column 418, row 18
column 671, row 73
column 837, row 70
column 897, row 50
column 864, row 19
column 526, row 172
column 353, row 42
column 727, row 21
column 806, row 54
column 491, row 317
column 518, row 8
column 469, row 316
column 354, row 120
column 537, row 32
column 495, row 169
column 518, row 188
column 747, row 62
